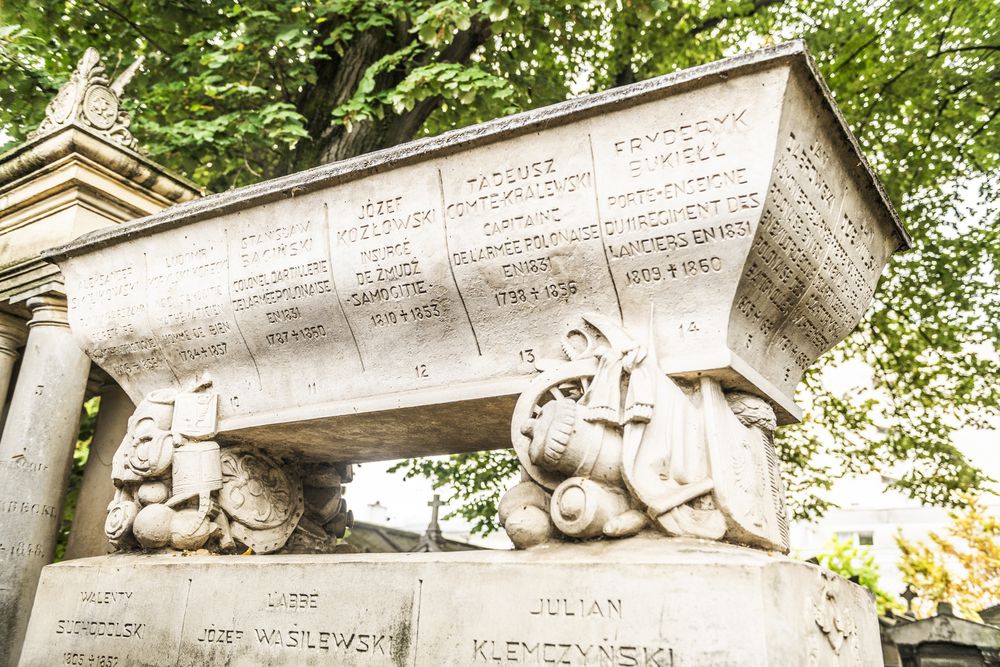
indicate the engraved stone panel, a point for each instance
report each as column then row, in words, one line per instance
column 389, row 239
column 817, row 255
column 726, row 209
column 683, row 187
column 524, row 241
column 647, row 602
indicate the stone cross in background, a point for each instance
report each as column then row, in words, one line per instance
column 431, row 539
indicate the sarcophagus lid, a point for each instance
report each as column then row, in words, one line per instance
column 395, row 304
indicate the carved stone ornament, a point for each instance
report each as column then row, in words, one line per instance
column 90, row 99
column 176, row 487
column 610, row 446
column 835, row 639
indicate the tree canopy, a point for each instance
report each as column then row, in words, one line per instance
column 233, row 92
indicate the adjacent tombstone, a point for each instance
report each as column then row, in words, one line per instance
column 626, row 287
column 991, row 615
column 946, row 640
column 78, row 172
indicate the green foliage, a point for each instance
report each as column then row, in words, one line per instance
column 918, row 84
column 484, row 479
column 960, row 565
column 235, row 92
column 856, row 562
column 81, row 452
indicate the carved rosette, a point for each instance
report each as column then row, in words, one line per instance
column 176, row 487
column 611, row 446
column 90, row 99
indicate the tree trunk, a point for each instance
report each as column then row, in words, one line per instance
column 337, row 77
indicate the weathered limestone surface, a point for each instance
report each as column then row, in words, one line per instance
column 652, row 602
column 333, row 309
column 36, row 451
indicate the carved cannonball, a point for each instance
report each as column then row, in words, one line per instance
column 189, row 530
column 528, row 526
column 152, row 526
column 152, row 492
column 522, row 496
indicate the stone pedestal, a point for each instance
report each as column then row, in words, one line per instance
column 647, row 601
column 36, row 451
column 87, row 537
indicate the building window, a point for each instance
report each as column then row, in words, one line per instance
column 864, row 538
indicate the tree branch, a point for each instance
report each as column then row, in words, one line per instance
column 879, row 33
column 708, row 24
column 461, row 48
column 141, row 32
column 909, row 68
column 41, row 80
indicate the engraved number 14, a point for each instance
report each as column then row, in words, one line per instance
column 687, row 327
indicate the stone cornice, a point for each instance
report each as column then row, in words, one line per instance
column 793, row 54
column 40, row 152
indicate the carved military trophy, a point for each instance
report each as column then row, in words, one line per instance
column 177, row 488
column 610, row 446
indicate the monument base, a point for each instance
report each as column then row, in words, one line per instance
column 642, row 602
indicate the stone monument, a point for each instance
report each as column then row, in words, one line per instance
column 625, row 287
column 78, row 172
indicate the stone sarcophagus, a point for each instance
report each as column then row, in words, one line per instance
column 396, row 304
column 626, row 288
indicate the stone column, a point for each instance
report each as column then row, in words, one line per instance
column 36, row 451
column 12, row 335
column 96, row 491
